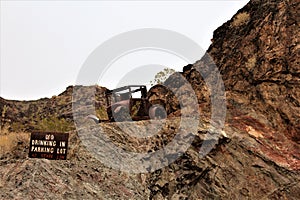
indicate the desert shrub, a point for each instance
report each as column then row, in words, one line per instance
column 101, row 113
column 54, row 124
column 17, row 127
column 9, row 141
column 240, row 19
column 162, row 76
column 3, row 115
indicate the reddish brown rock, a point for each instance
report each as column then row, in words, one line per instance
column 257, row 156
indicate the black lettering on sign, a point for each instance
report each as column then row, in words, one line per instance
column 49, row 145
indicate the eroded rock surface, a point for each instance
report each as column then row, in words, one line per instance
column 255, row 156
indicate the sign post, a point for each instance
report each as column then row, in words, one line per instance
column 49, row 145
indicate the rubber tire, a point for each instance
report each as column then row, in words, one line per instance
column 122, row 115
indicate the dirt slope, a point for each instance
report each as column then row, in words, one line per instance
column 236, row 168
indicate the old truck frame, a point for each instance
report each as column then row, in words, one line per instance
column 131, row 103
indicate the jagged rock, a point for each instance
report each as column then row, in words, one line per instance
column 255, row 156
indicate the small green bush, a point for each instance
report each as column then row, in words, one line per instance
column 54, row 124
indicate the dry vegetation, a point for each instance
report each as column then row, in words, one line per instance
column 101, row 113
column 53, row 123
column 251, row 62
column 241, row 19
column 9, row 141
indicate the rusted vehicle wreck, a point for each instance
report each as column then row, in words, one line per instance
column 130, row 103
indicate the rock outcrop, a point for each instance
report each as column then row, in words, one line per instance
column 29, row 115
column 257, row 53
column 255, row 156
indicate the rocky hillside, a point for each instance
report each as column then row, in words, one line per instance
column 260, row 63
column 53, row 114
column 257, row 55
column 257, row 155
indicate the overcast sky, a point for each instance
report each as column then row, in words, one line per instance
column 44, row 43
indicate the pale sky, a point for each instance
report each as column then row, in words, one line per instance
column 44, row 43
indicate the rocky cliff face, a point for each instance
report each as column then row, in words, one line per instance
column 259, row 62
column 257, row 54
column 257, row 157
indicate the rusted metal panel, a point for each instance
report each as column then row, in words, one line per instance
column 49, row 145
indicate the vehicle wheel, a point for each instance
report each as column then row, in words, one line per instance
column 121, row 114
column 157, row 112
